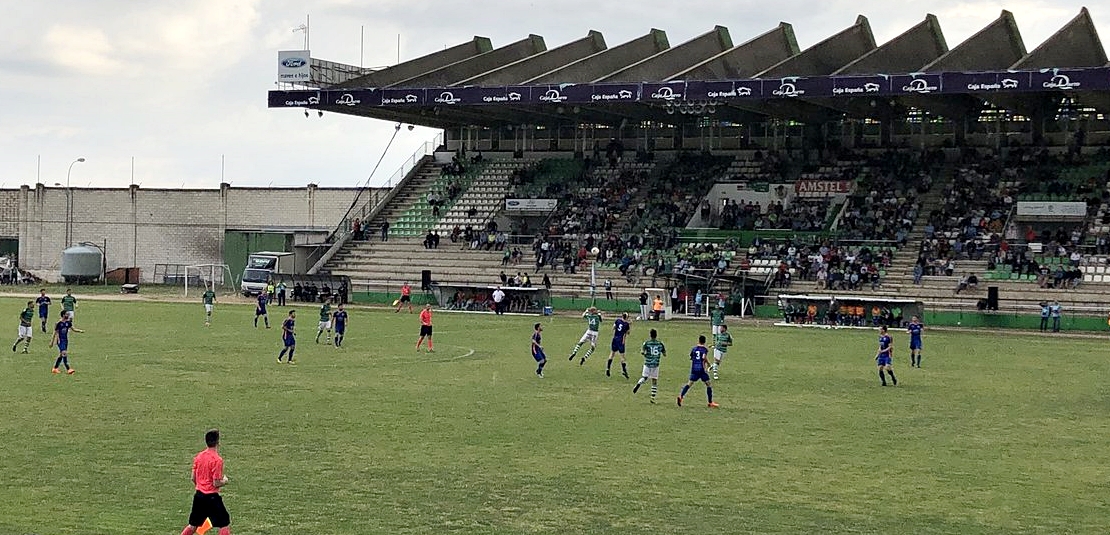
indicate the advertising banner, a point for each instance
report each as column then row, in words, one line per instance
column 294, row 66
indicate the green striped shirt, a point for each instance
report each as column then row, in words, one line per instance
column 325, row 312
column 69, row 302
column 717, row 317
column 653, row 350
column 26, row 316
column 721, row 341
column 209, row 297
column 593, row 321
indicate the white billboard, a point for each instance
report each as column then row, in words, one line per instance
column 1068, row 210
column 530, row 205
column 294, row 66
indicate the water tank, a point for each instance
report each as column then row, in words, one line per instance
column 81, row 263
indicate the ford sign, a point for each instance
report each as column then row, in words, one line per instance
column 293, row 63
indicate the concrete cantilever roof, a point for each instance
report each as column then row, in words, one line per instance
column 423, row 64
column 460, row 70
column 475, row 67
column 744, row 60
column 522, row 70
column 666, row 63
column 606, row 61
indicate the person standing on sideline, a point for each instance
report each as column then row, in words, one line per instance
column 717, row 319
column 69, row 304
column 915, row 328
column 621, row 328
column 1055, row 310
column 674, row 300
column 653, row 351
column 25, row 329
column 657, row 308
column 644, row 297
column 288, row 336
column 698, row 298
column 499, row 301
column 260, row 310
column 537, row 349
column 281, row 293
column 209, row 299
column 406, row 297
column 1044, row 316
column 208, row 479
column 425, row 327
column 340, row 320
column 385, row 230
column 885, row 356
column 325, row 322
column 699, row 361
column 61, row 339
column 271, row 291
column 44, row 307
column 608, row 290
column 721, row 341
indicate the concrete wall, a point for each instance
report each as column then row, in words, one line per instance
column 145, row 227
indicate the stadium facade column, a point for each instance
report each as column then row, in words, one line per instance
column 886, row 131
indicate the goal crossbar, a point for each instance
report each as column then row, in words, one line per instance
column 203, row 275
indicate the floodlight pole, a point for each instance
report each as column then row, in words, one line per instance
column 69, row 203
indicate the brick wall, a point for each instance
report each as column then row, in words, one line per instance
column 145, row 227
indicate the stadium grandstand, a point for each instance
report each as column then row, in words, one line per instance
column 906, row 169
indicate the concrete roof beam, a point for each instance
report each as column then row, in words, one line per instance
column 1075, row 45
column 922, row 44
column 744, row 60
column 519, row 71
column 606, row 61
column 672, row 60
column 449, row 75
column 829, row 55
column 997, row 46
column 429, row 62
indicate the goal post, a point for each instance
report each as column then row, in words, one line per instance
column 199, row 276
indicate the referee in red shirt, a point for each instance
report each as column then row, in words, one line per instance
column 208, row 476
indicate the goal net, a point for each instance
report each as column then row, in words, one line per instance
column 200, row 276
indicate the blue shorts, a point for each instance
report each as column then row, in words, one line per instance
column 260, row 312
column 43, row 313
column 702, row 376
column 63, row 345
column 538, row 355
column 289, row 341
column 883, row 361
column 340, row 329
column 617, row 345
column 915, row 344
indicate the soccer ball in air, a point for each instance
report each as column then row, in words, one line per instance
column 595, row 250
column 396, row 302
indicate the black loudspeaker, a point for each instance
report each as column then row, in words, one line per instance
column 426, row 280
column 992, row 297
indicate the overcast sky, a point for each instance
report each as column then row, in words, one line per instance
column 177, row 86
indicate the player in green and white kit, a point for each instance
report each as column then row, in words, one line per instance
column 653, row 350
column 721, row 341
column 593, row 325
column 717, row 318
column 69, row 304
column 325, row 322
column 209, row 299
column 25, row 329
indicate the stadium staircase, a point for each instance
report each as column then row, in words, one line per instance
column 486, row 194
column 400, row 209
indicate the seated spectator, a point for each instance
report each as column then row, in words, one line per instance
column 972, row 282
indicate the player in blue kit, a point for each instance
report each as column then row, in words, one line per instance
column 61, row 339
column 915, row 329
column 288, row 336
column 699, row 363
column 621, row 327
column 44, row 307
column 339, row 320
column 260, row 310
column 537, row 349
column 885, row 357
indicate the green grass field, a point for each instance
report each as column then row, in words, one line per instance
column 997, row 434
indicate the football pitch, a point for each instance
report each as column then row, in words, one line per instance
column 998, row 433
